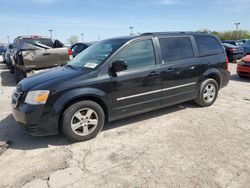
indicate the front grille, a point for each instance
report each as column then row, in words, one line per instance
column 16, row 96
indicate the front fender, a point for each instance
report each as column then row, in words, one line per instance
column 75, row 94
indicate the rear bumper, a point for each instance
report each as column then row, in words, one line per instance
column 243, row 70
column 225, row 77
column 233, row 57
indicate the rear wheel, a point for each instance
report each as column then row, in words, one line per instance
column 19, row 75
column 208, row 93
column 82, row 121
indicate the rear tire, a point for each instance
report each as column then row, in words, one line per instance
column 82, row 121
column 19, row 75
column 208, row 93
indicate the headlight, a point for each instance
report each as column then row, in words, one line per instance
column 37, row 97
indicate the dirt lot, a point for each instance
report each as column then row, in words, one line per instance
column 179, row 146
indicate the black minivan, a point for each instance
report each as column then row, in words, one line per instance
column 121, row 77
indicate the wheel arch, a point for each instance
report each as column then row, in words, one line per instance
column 68, row 99
column 214, row 74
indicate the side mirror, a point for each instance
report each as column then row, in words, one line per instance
column 10, row 46
column 118, row 66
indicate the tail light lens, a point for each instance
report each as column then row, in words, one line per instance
column 70, row 53
column 227, row 62
column 232, row 49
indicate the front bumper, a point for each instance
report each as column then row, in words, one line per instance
column 243, row 70
column 36, row 120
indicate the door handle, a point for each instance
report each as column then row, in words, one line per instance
column 192, row 67
column 153, row 74
column 169, row 70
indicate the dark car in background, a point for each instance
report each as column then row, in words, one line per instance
column 234, row 42
column 234, row 53
column 242, row 43
column 79, row 47
column 2, row 50
column 246, row 45
column 7, row 55
column 121, row 77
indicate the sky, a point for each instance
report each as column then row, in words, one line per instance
column 101, row 19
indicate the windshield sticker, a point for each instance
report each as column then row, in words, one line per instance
column 90, row 65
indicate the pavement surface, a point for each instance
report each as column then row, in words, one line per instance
column 180, row 146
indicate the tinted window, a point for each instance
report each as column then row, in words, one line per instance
column 139, row 54
column 176, row 48
column 208, row 45
column 44, row 41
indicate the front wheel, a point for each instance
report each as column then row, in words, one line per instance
column 208, row 93
column 82, row 120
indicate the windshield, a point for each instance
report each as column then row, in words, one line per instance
column 240, row 43
column 97, row 53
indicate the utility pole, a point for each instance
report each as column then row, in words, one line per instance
column 51, row 33
column 131, row 30
column 82, row 34
column 8, row 37
column 237, row 29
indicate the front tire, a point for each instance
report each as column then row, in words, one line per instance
column 82, row 121
column 208, row 93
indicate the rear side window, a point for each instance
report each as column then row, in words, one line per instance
column 176, row 48
column 208, row 45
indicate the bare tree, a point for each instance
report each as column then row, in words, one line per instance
column 73, row 39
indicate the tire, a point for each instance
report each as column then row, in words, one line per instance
column 11, row 68
column 11, row 65
column 81, row 114
column 208, row 93
column 241, row 76
column 19, row 75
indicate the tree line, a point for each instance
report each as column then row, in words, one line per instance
column 229, row 35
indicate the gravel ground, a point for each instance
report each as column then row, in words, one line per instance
column 179, row 146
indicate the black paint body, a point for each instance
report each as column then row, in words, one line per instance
column 161, row 85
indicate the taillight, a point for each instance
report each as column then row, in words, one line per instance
column 227, row 62
column 232, row 49
column 70, row 52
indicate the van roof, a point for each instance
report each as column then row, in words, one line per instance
column 175, row 33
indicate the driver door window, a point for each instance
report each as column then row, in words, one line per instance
column 138, row 55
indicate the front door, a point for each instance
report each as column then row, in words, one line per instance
column 138, row 88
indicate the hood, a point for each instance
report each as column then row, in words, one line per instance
column 60, row 73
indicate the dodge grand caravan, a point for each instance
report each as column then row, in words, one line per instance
column 121, row 77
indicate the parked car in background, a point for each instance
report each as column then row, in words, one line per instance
column 246, row 46
column 121, row 77
column 33, row 53
column 79, row 47
column 234, row 42
column 243, row 68
column 2, row 52
column 234, row 53
column 7, row 55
